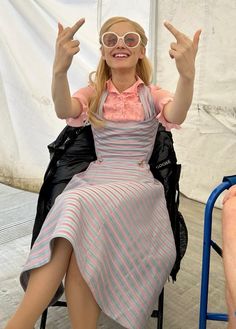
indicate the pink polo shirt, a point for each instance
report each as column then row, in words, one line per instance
column 124, row 106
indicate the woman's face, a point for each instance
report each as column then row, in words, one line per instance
column 121, row 56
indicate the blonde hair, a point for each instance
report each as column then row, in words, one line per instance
column 103, row 73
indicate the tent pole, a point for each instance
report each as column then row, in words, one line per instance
column 153, row 23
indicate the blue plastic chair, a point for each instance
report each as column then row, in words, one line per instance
column 204, row 315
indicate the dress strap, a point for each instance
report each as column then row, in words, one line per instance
column 147, row 101
column 101, row 103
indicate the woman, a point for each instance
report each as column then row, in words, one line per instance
column 109, row 233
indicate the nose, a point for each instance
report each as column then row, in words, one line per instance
column 120, row 42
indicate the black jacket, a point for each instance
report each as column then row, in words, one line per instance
column 72, row 152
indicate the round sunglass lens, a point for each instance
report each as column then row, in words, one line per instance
column 110, row 40
column 131, row 40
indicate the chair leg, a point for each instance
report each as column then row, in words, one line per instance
column 44, row 319
column 160, row 310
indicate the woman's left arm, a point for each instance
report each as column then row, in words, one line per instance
column 184, row 51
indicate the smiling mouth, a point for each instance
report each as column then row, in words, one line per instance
column 120, row 55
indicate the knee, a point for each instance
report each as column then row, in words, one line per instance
column 229, row 212
column 229, row 223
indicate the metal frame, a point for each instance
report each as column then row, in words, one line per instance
column 204, row 315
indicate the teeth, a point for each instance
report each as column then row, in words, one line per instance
column 121, row 55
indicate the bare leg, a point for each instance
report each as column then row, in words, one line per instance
column 231, row 311
column 82, row 307
column 229, row 257
column 42, row 286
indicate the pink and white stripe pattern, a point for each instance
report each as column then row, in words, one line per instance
column 115, row 216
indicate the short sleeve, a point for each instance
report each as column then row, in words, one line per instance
column 162, row 97
column 83, row 96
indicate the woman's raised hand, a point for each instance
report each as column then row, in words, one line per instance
column 66, row 46
column 184, row 51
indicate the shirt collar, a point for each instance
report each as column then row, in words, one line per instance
column 131, row 90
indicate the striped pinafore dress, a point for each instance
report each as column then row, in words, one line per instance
column 115, row 216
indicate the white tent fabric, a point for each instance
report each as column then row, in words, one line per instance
column 206, row 144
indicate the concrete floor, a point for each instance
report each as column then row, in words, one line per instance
column 181, row 308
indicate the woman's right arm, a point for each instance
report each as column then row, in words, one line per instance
column 66, row 48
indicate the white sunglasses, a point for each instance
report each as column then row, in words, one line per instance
column 111, row 39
